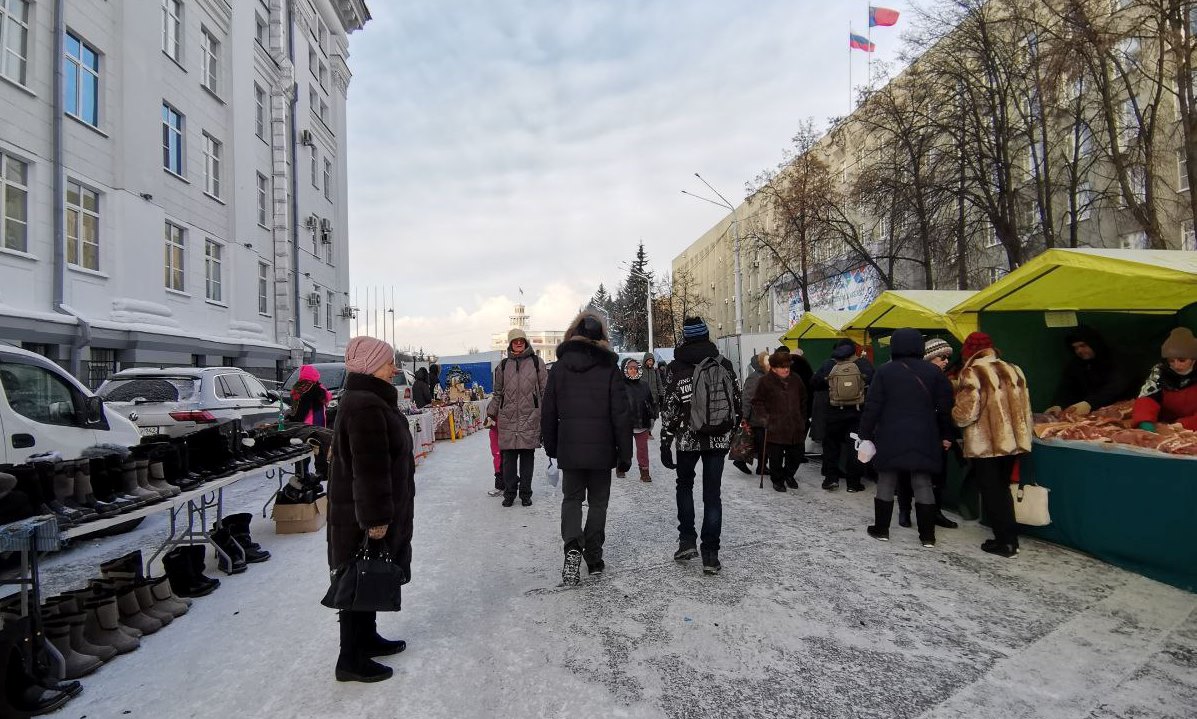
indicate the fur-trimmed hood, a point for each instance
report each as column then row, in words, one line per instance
column 578, row 352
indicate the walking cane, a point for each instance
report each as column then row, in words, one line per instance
column 760, row 465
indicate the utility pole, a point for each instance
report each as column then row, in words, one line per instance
column 735, row 230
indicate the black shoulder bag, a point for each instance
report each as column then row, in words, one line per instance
column 370, row 581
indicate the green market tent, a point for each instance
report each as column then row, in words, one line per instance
column 817, row 332
column 925, row 310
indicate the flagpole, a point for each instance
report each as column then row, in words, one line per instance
column 849, row 67
column 870, row 51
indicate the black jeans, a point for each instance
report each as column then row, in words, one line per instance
column 841, row 422
column 523, row 482
column 784, row 460
column 712, row 501
column 594, row 487
column 992, row 479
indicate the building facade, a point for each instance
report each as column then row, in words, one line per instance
column 175, row 181
column 543, row 342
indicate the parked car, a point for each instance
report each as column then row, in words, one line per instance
column 43, row 408
column 175, row 401
column 332, row 376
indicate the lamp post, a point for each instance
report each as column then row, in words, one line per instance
column 735, row 245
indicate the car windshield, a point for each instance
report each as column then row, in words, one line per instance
column 150, row 389
column 332, row 377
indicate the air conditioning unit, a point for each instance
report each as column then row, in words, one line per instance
column 348, row 313
column 325, row 238
column 325, row 225
column 311, row 222
column 313, row 299
column 305, row 137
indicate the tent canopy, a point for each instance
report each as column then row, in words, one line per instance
column 1144, row 281
column 821, row 325
column 921, row 309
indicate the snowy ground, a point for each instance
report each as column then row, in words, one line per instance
column 810, row 618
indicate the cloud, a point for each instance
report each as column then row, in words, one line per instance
column 534, row 143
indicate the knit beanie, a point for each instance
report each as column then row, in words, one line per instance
column 936, row 347
column 366, row 355
column 974, row 343
column 1181, row 344
column 694, row 330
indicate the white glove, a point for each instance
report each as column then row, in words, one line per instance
column 865, row 451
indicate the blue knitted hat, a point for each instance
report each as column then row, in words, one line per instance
column 695, row 329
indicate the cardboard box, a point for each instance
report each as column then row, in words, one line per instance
column 300, row 518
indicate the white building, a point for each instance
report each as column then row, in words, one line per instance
column 174, row 181
column 544, row 342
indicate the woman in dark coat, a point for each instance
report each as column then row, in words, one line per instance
column 421, row 392
column 779, row 403
column 586, row 425
column 371, row 492
column 907, row 416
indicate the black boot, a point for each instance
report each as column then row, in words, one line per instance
column 23, row 694
column 233, row 559
column 882, row 512
column 940, row 520
column 352, row 663
column 238, row 526
column 925, row 515
column 185, row 580
column 374, row 645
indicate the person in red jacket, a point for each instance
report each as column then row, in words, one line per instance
column 1170, row 393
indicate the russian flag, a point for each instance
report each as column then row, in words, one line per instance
column 882, row 17
column 857, row 42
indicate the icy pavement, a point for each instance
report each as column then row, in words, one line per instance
column 810, row 618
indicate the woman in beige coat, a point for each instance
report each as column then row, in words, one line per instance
column 515, row 407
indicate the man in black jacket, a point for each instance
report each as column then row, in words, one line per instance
column 842, row 419
column 693, row 446
column 586, row 425
column 1095, row 377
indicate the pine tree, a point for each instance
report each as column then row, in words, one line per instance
column 631, row 313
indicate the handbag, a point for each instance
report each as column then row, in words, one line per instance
column 742, row 448
column 1030, row 504
column 370, row 581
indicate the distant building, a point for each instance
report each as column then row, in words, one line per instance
column 544, row 342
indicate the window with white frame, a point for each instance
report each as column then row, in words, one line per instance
column 327, row 179
column 315, row 167
column 1137, row 178
column 213, row 268
column 176, row 258
column 260, row 122
column 327, row 241
column 323, row 77
column 324, row 112
column 261, row 30
column 991, row 236
column 263, row 200
column 82, row 226
column 81, row 81
column 314, row 100
column 1128, row 123
column 315, row 302
column 172, row 140
column 312, row 61
column 1084, row 200
column 210, row 57
column 1084, row 142
column 172, row 29
column 212, row 151
column 14, row 40
column 328, row 312
column 1134, row 241
column 263, row 289
column 14, row 202
column 1182, row 170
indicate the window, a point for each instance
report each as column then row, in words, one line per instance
column 212, row 149
column 997, row 273
column 172, row 140
column 328, row 312
column 324, row 112
column 172, row 29
column 176, row 253
column 212, row 269
column 14, row 39
column 327, row 179
column 1188, row 238
column 322, row 36
column 312, row 61
column 1128, row 123
column 1134, row 241
column 1084, row 142
column 230, row 386
column 40, row 395
column 81, row 81
column 82, row 226
column 210, row 56
column 323, row 75
column 1084, row 200
column 991, row 237
column 261, row 30
column 1137, row 178
column 263, row 289
column 14, row 202
column 263, row 199
column 315, row 168
column 260, row 111
column 1182, row 169
column 314, row 100
column 314, row 301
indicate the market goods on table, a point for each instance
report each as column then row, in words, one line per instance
column 1110, row 425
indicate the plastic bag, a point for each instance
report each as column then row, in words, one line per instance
column 552, row 473
column 742, row 447
column 865, row 449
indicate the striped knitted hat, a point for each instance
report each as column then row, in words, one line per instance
column 695, row 329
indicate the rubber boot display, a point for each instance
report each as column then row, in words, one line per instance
column 131, row 614
column 883, row 512
column 85, row 493
column 64, row 490
column 233, row 559
column 143, row 480
column 50, row 491
column 58, row 633
column 104, row 489
column 130, row 485
column 165, row 598
column 185, row 581
column 102, row 626
column 238, row 526
column 158, row 477
column 924, row 515
column 79, row 640
column 125, row 568
column 116, row 477
column 145, row 600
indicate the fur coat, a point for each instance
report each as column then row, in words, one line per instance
column 993, row 407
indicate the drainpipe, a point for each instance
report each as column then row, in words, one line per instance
column 82, row 336
column 294, row 168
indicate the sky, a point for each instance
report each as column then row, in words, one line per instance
column 503, row 145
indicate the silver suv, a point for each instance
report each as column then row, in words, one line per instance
column 175, row 401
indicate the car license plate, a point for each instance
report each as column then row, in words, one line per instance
column 149, row 431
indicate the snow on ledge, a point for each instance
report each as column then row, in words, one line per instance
column 130, row 311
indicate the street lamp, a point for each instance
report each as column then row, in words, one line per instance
column 735, row 244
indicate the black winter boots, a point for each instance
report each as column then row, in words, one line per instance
column 883, row 512
column 231, row 535
column 925, row 516
column 354, row 663
column 184, row 568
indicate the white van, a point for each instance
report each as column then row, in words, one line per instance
column 44, row 409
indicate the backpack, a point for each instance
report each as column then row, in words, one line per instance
column 712, row 402
column 846, row 384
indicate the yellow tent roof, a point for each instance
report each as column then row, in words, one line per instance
column 1143, row 281
column 820, row 325
column 921, row 309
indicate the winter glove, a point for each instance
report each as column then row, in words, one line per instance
column 623, row 467
column 1080, row 409
column 667, row 457
column 1054, row 409
column 1148, row 426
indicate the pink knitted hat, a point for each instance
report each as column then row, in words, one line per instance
column 366, row 355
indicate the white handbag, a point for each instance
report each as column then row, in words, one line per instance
column 1030, row 504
